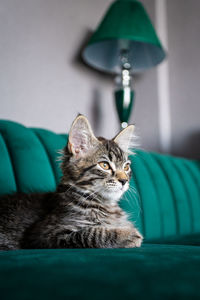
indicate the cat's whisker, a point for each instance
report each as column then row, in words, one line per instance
column 136, row 197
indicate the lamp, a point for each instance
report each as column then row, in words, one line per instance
column 124, row 42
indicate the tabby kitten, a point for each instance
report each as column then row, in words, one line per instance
column 83, row 212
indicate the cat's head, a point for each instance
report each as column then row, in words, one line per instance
column 97, row 165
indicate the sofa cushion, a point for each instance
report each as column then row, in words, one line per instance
column 150, row 272
column 28, row 158
column 165, row 201
column 164, row 196
column 191, row 239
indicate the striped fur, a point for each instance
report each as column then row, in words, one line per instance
column 83, row 212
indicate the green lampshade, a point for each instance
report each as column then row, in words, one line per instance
column 126, row 25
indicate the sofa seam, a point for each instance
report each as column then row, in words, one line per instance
column 11, row 161
column 155, row 190
column 165, row 173
column 47, row 153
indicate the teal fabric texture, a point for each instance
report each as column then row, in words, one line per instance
column 163, row 202
column 150, row 272
column 166, row 198
column 29, row 158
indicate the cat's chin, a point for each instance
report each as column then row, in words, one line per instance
column 112, row 196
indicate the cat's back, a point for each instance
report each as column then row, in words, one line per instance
column 18, row 203
column 18, row 212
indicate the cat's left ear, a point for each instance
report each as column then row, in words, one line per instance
column 81, row 138
column 124, row 138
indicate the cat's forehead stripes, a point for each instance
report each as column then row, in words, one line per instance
column 102, row 157
column 113, row 150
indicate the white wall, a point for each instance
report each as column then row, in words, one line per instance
column 184, row 67
column 41, row 82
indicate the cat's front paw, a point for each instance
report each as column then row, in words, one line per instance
column 135, row 240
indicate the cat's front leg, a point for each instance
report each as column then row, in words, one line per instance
column 101, row 237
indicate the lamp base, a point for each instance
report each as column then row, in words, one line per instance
column 124, row 100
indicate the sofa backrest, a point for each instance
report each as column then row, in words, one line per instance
column 163, row 200
column 166, row 201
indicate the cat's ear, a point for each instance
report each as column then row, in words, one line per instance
column 124, row 138
column 81, row 138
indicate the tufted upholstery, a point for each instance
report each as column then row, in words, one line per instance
column 28, row 158
column 164, row 199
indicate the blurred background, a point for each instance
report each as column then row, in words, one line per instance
column 44, row 83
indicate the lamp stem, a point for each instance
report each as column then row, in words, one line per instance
column 124, row 95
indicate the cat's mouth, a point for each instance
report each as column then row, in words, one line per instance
column 117, row 187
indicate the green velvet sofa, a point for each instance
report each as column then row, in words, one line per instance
column 164, row 203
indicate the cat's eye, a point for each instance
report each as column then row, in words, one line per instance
column 127, row 167
column 104, row 165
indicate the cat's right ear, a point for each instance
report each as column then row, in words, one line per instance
column 81, row 138
column 125, row 138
